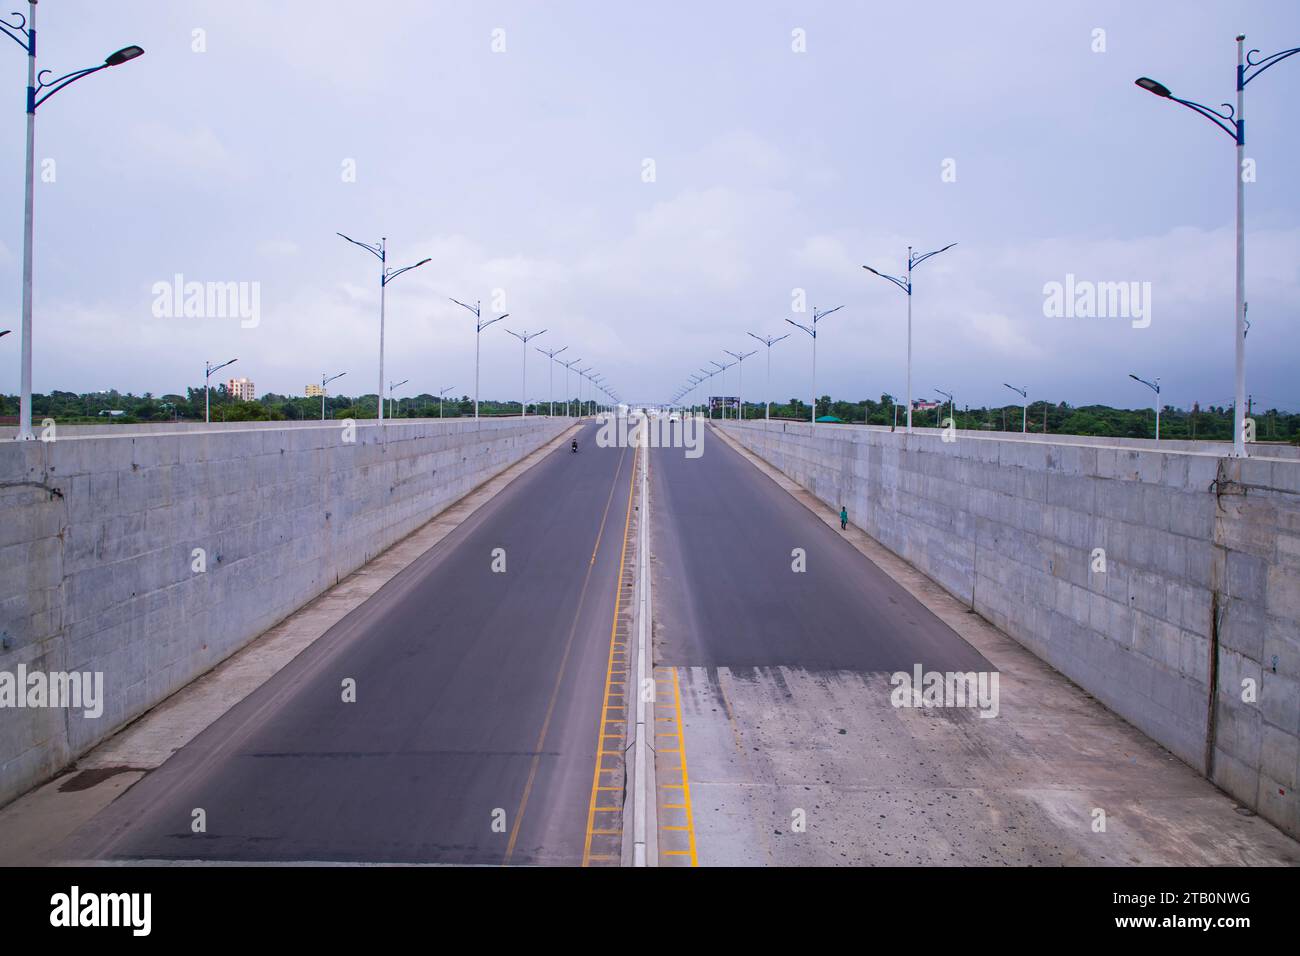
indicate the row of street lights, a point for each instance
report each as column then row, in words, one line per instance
column 40, row 87
column 1229, row 119
column 903, row 282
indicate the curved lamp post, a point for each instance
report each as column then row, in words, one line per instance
column 550, row 376
column 708, row 374
column 567, row 394
column 740, row 389
column 386, row 275
column 523, row 337
column 325, row 380
column 906, row 285
column 952, row 411
column 1155, row 387
column 479, row 326
column 39, row 89
column 1024, row 412
column 391, row 386
column 817, row 317
column 441, row 395
column 582, row 373
column 769, row 341
column 208, row 369
column 722, row 368
column 1234, row 124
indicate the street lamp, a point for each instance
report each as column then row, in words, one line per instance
column 1234, row 124
column 769, row 341
column 1024, row 414
column 817, row 317
column 39, row 89
column 523, row 338
column 740, row 389
column 1155, row 387
column 479, row 326
column 723, row 369
column 695, row 381
column 441, row 395
column 208, row 369
column 323, row 382
column 391, row 386
column 550, row 376
column 386, row 276
column 708, row 373
column 906, row 285
column 951, row 410
column 582, row 373
column 567, row 394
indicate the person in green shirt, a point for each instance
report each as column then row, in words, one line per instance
column 844, row 517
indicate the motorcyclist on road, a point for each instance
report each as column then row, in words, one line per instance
column 574, row 444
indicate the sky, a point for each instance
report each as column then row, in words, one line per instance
column 650, row 182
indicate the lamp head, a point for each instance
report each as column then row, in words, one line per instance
column 1153, row 86
column 122, row 55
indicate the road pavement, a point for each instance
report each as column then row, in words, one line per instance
column 472, row 738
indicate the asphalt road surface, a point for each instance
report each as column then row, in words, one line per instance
column 472, row 739
column 726, row 592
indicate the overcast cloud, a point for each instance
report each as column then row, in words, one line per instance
column 522, row 171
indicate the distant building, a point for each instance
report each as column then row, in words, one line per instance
column 315, row 391
column 242, row 389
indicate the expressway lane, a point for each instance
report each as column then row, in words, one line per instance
column 478, row 698
column 774, row 680
column 784, row 743
column 727, row 592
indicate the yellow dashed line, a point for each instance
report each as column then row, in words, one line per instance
column 610, row 693
column 673, row 825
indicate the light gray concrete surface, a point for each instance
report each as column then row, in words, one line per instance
column 881, row 785
column 98, row 537
column 1199, row 602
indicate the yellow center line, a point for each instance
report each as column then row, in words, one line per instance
column 559, row 677
column 685, row 786
column 609, row 669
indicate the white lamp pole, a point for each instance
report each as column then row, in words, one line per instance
column 386, row 275
column 391, row 386
column 906, row 285
column 1155, row 387
column 1024, row 414
column 523, row 338
column 740, row 388
column 816, row 317
column 479, row 326
column 550, row 387
column 208, row 369
column 769, row 341
column 1234, row 124
column 324, row 380
column 39, row 89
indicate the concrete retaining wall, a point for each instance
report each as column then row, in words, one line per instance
column 97, row 539
column 1200, row 599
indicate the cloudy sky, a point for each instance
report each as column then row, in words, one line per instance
column 509, row 142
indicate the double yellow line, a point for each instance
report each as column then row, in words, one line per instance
column 612, row 730
column 564, row 659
